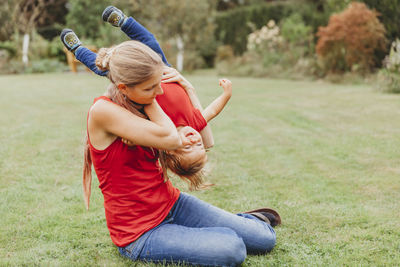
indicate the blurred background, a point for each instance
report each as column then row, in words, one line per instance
column 336, row 40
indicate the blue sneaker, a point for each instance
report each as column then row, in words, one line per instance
column 70, row 39
column 114, row 16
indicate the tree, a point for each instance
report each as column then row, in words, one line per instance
column 6, row 27
column 25, row 16
column 188, row 23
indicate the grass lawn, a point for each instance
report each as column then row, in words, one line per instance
column 327, row 157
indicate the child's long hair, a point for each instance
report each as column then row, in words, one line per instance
column 192, row 174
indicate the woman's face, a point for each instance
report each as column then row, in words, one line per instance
column 145, row 92
column 193, row 148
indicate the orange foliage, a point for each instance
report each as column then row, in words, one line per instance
column 351, row 39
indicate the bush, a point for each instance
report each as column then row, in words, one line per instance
column 225, row 53
column 40, row 48
column 192, row 61
column 45, row 65
column 388, row 81
column 295, row 31
column 34, row 66
column 351, row 39
column 390, row 15
column 389, row 77
column 270, row 54
column 233, row 26
column 9, row 46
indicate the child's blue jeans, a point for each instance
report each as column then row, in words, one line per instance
column 135, row 31
column 198, row 233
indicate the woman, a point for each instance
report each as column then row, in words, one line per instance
column 148, row 218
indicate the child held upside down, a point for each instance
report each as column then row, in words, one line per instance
column 179, row 100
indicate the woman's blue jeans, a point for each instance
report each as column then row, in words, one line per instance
column 135, row 31
column 198, row 233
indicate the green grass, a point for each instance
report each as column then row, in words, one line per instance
column 325, row 156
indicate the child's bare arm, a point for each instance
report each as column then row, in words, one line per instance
column 218, row 104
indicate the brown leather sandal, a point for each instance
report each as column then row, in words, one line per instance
column 258, row 213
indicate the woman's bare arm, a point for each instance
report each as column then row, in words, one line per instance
column 108, row 120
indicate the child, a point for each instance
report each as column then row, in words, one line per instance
column 187, row 115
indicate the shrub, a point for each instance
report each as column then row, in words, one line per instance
column 40, row 48
column 295, row 31
column 392, row 61
column 270, row 54
column 267, row 39
column 225, row 53
column 192, row 60
column 390, row 10
column 9, row 46
column 45, row 65
column 34, row 66
column 233, row 26
column 351, row 39
column 389, row 77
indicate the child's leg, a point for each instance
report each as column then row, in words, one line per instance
column 71, row 41
column 88, row 58
column 136, row 31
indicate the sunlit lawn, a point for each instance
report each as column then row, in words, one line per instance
column 326, row 156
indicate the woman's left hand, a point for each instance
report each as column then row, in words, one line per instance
column 171, row 75
column 127, row 142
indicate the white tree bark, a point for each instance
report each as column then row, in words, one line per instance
column 25, row 49
column 179, row 56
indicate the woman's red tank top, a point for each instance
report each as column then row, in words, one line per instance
column 136, row 198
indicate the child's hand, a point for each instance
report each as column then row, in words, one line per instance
column 127, row 142
column 171, row 75
column 226, row 85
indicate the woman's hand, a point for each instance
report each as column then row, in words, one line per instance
column 127, row 142
column 227, row 86
column 171, row 75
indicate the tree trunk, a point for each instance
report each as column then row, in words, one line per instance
column 179, row 56
column 25, row 48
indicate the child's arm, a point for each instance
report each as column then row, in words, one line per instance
column 218, row 104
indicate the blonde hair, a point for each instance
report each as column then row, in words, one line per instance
column 129, row 63
column 192, row 174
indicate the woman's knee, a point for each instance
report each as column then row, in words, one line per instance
column 270, row 241
column 231, row 250
column 267, row 239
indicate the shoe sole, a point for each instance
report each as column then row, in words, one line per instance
column 68, row 45
column 275, row 213
column 106, row 13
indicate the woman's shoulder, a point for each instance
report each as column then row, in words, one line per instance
column 102, row 108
